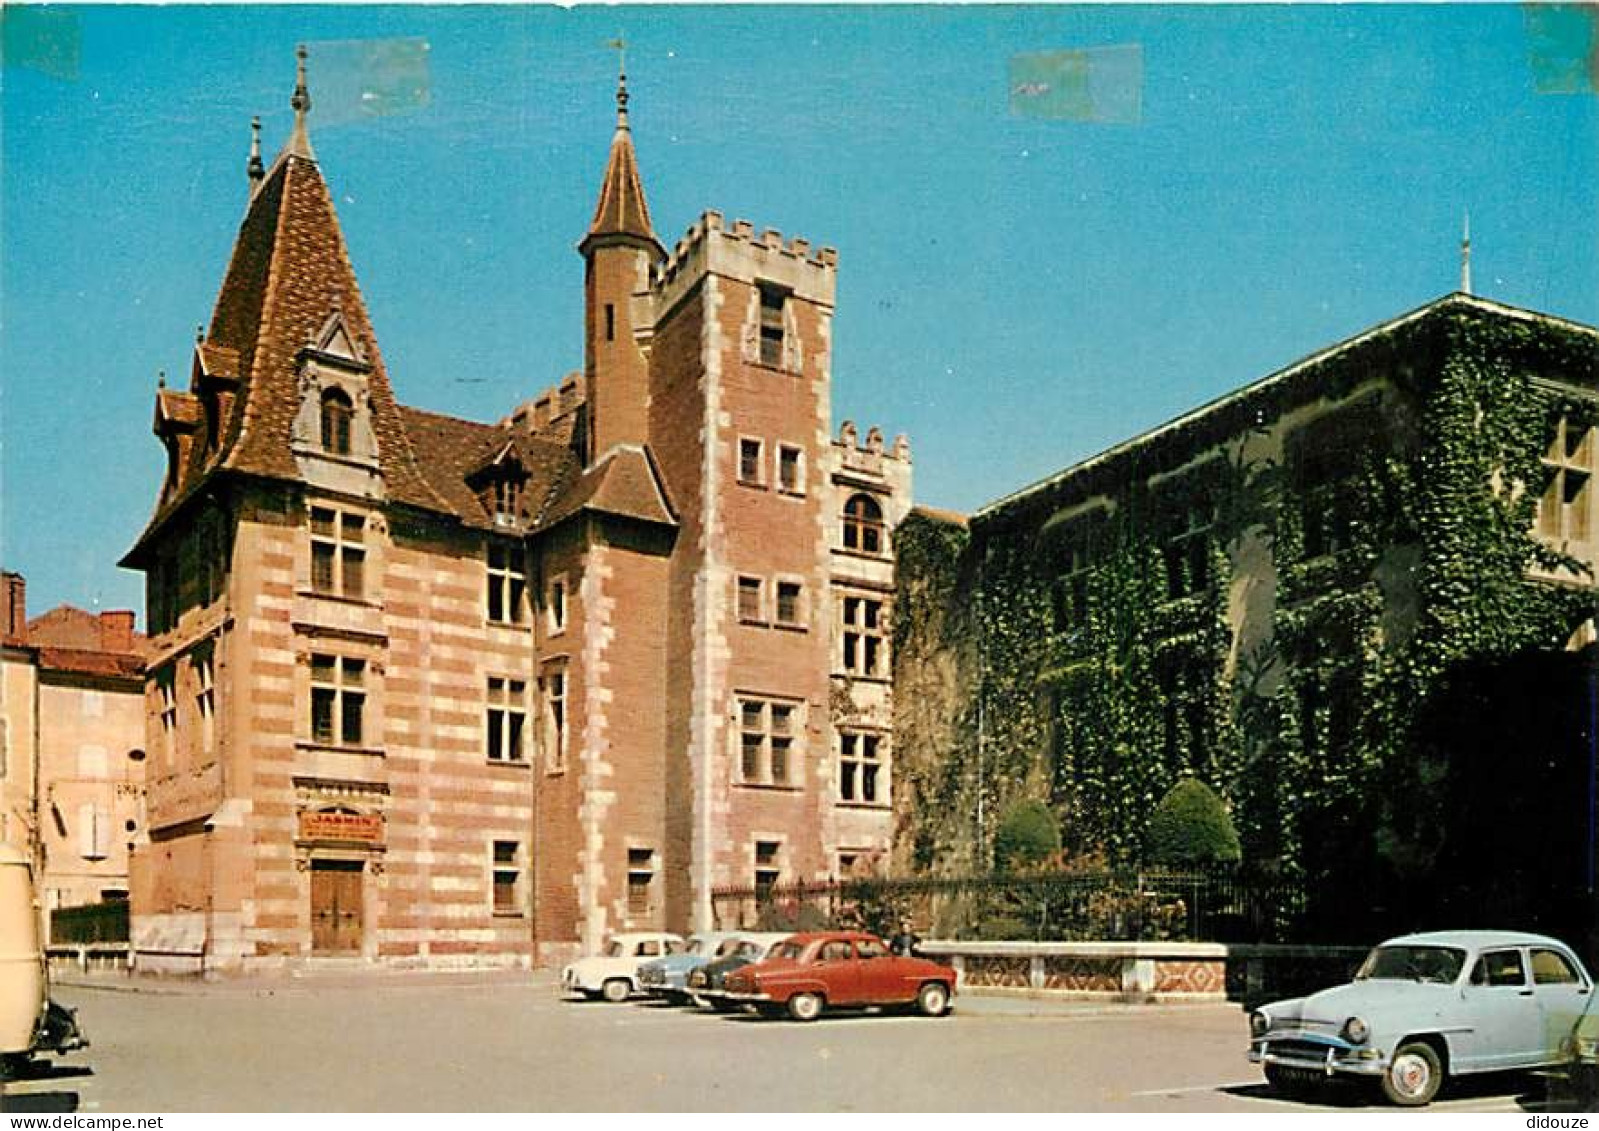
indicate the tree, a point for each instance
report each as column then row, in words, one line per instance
column 1191, row 826
column 1028, row 833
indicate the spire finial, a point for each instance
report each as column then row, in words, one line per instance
column 255, row 170
column 1465, row 255
column 620, row 46
column 300, row 101
column 160, row 378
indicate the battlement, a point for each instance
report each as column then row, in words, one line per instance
column 539, row 412
column 739, row 252
column 868, row 456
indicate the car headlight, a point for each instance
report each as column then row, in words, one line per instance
column 1259, row 1023
column 697, row 978
column 1356, row 1031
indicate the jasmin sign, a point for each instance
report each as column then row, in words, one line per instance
column 367, row 828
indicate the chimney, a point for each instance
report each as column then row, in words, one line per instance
column 116, row 631
column 15, row 613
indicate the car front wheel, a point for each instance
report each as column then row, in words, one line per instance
column 805, row 1007
column 616, row 989
column 1414, row 1076
column 933, row 1000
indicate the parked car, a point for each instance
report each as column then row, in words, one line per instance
column 1426, row 1007
column 667, row 977
column 707, row 985
column 822, row 970
column 613, row 973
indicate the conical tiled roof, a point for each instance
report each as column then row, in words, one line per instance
column 290, row 272
column 622, row 210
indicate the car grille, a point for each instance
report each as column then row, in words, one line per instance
column 1307, row 1050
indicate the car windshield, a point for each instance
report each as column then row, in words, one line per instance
column 614, row 950
column 788, row 950
column 696, row 945
column 748, row 950
column 1413, row 964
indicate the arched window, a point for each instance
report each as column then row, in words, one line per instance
column 863, row 525
column 337, row 413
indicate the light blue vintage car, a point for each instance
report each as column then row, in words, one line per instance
column 1426, row 1007
column 668, row 977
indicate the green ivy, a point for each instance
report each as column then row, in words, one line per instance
column 1311, row 736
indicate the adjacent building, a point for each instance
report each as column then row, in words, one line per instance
column 1356, row 597
column 71, row 745
column 424, row 689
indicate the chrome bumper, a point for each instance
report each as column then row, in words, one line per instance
column 731, row 996
column 1337, row 1059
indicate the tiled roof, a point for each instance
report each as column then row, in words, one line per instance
column 217, row 360
column 69, row 639
column 183, row 408
column 308, row 278
column 451, row 450
column 623, row 483
column 76, row 661
column 290, row 271
column 622, row 209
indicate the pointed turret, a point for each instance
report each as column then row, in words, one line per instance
column 622, row 215
column 619, row 248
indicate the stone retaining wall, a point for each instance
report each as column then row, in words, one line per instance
column 1145, row 971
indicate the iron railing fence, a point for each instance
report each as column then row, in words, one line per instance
column 1124, row 905
column 92, row 923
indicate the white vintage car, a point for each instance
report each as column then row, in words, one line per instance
column 1424, row 1008
column 613, row 973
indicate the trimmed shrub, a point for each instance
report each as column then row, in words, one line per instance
column 1191, row 826
column 1028, row 833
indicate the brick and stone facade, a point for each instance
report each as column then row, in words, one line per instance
column 429, row 690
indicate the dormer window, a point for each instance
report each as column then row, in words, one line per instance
column 507, row 499
column 502, row 489
column 337, row 414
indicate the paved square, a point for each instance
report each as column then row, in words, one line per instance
column 508, row 1042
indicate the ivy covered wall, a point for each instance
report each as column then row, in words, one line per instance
column 1271, row 595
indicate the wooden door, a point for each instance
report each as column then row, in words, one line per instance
column 336, row 906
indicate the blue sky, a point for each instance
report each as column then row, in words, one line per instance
column 1016, row 292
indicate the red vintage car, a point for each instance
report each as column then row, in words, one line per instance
column 839, row 970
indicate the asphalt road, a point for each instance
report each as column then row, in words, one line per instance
column 509, row 1043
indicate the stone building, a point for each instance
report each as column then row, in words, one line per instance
column 1356, row 597
column 427, row 689
column 71, row 745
